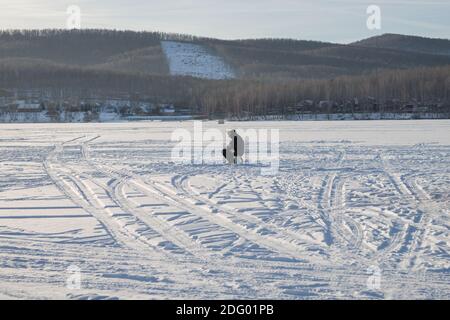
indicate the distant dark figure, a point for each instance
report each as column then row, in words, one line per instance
column 235, row 150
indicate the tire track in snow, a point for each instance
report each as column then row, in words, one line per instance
column 274, row 245
column 181, row 184
column 164, row 229
column 82, row 196
column 413, row 234
column 116, row 193
column 167, row 196
column 73, row 193
column 170, row 232
column 428, row 209
column 331, row 202
column 339, row 211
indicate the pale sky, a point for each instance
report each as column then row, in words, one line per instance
column 327, row 20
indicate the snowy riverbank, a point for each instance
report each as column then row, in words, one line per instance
column 43, row 117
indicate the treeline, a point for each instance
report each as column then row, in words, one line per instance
column 97, row 34
column 284, row 44
column 374, row 91
column 63, row 81
column 236, row 97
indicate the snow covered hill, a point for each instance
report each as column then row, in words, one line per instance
column 188, row 59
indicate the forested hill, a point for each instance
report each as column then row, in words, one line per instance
column 254, row 75
column 408, row 43
column 140, row 52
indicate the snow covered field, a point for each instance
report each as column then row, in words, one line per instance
column 188, row 59
column 353, row 203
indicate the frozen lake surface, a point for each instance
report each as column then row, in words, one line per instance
column 359, row 209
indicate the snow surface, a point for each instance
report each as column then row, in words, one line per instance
column 107, row 199
column 188, row 59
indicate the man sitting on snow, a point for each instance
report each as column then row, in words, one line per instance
column 235, row 149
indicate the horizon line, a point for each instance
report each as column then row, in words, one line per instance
column 214, row 38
